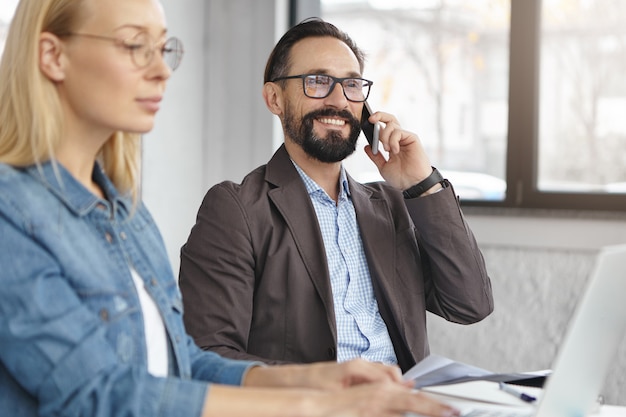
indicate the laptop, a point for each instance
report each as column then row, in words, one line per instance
column 590, row 344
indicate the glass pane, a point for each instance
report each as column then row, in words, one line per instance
column 441, row 67
column 582, row 135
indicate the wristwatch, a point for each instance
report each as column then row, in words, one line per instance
column 423, row 186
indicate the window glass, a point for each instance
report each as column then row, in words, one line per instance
column 582, row 134
column 441, row 67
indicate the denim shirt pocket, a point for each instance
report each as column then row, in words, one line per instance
column 122, row 319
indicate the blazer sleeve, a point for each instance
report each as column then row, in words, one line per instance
column 217, row 276
column 456, row 282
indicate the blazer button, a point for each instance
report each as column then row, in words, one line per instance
column 332, row 353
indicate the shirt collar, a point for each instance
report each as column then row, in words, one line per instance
column 312, row 186
column 72, row 193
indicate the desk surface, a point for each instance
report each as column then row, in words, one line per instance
column 466, row 405
column 486, row 395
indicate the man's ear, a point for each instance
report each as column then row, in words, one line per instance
column 273, row 96
column 51, row 57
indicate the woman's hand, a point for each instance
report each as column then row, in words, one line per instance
column 323, row 375
column 382, row 400
column 378, row 399
column 356, row 388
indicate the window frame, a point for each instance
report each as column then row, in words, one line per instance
column 523, row 131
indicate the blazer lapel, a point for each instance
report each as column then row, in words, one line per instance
column 293, row 202
column 379, row 242
column 377, row 231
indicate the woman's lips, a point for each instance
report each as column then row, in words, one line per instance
column 152, row 104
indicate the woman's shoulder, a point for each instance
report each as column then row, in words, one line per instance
column 14, row 181
column 8, row 172
column 19, row 190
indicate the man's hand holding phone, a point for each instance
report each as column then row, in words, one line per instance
column 407, row 163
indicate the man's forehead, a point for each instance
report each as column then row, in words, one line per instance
column 324, row 55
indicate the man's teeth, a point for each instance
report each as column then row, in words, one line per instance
column 336, row 122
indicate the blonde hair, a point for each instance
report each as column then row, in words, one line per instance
column 31, row 118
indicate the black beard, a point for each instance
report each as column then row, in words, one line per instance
column 332, row 148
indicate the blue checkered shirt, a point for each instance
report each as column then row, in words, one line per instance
column 361, row 331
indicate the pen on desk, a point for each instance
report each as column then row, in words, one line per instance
column 522, row 396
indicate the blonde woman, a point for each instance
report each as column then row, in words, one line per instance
column 90, row 313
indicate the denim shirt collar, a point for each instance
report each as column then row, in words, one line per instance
column 73, row 194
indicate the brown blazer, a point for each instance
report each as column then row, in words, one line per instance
column 255, row 280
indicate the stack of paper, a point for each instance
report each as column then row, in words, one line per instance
column 438, row 370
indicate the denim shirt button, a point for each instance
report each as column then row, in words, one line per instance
column 122, row 235
column 108, row 237
column 104, row 314
column 153, row 282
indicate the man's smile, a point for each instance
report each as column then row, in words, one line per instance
column 332, row 121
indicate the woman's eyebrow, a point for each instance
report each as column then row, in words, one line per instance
column 138, row 27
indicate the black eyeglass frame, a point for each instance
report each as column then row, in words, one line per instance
column 336, row 80
column 178, row 52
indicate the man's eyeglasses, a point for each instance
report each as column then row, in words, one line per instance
column 142, row 47
column 320, row 86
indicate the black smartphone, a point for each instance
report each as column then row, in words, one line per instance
column 370, row 130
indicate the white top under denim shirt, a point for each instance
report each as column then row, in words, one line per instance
column 361, row 331
column 157, row 352
column 71, row 324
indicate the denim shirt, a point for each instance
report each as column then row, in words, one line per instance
column 71, row 325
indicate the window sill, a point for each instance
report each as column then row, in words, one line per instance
column 548, row 229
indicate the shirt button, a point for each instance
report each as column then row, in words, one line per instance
column 122, row 235
column 108, row 237
column 153, row 282
column 331, row 353
column 104, row 314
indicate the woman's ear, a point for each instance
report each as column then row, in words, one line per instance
column 51, row 57
column 273, row 96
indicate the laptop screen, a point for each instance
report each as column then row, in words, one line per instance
column 592, row 339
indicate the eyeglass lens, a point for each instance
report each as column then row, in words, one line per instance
column 143, row 50
column 320, row 86
column 172, row 52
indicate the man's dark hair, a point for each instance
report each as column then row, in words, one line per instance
column 279, row 60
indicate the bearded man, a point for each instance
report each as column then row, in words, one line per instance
column 300, row 263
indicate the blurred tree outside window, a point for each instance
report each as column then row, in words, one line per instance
column 582, row 135
column 441, row 67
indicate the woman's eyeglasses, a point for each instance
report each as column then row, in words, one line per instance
column 142, row 48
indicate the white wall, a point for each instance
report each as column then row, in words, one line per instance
column 213, row 124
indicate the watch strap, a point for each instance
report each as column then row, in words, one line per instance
column 423, row 186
